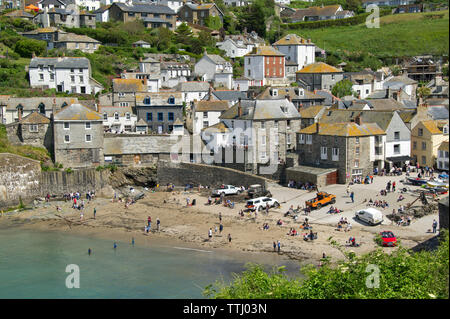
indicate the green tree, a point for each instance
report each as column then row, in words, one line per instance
column 26, row 47
column 342, row 88
column 183, row 33
column 422, row 93
column 396, row 70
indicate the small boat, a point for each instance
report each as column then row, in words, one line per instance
column 417, row 181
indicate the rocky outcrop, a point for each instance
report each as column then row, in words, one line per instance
column 138, row 176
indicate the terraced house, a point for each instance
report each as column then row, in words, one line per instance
column 152, row 15
column 318, row 76
column 265, row 65
column 426, row 138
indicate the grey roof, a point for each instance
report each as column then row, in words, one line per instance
column 402, row 78
column 32, row 103
column 155, row 20
column 438, row 112
column 409, row 104
column 216, row 58
column 145, row 8
column 382, row 119
column 327, row 95
column 379, row 94
column 61, row 62
column 192, row 86
column 140, row 42
column 262, row 110
column 77, row 112
column 229, row 95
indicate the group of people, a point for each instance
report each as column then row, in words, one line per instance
column 303, row 186
column 343, row 222
column 148, row 227
column 292, row 232
column 334, row 210
column 378, row 203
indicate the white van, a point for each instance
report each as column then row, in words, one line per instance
column 371, row 216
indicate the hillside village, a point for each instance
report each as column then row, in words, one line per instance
column 276, row 102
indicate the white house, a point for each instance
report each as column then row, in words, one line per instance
column 238, row 45
column 285, row 2
column 193, row 90
column 118, row 119
column 442, row 158
column 212, row 67
column 175, row 5
column 65, row 74
column 206, row 113
column 296, row 49
column 102, row 14
column 173, row 73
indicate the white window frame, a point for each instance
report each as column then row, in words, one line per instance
column 66, row 124
column 308, row 139
column 66, row 141
column 335, row 154
column 87, row 125
column 34, row 128
column 323, row 152
column 302, row 139
column 86, row 138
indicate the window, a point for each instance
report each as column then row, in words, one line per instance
column 116, row 116
column 77, row 45
column 72, row 70
column 88, row 125
column 149, row 117
column 128, row 116
column 73, row 89
column 41, row 77
column 263, row 155
column 88, row 138
column 81, row 79
column 80, row 70
column 205, row 124
column 172, row 99
column 66, row 125
column 323, row 153
column 302, row 139
column 121, row 94
column 335, row 154
column 105, row 116
column 414, row 145
column 420, row 132
column 248, row 61
column 357, row 150
column 160, row 116
column 288, row 136
column 147, row 100
column 288, row 123
column 356, row 163
column 424, row 160
column 83, row 89
column 275, row 124
column 424, row 146
column 72, row 79
column 397, row 149
column 263, row 124
column 357, row 139
column 34, row 128
column 332, row 76
column 170, row 116
column 445, row 129
column 308, row 139
column 397, row 136
column 124, row 104
column 52, row 77
column 41, row 67
column 66, row 138
column 263, row 140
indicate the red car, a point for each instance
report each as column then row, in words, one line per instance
column 389, row 239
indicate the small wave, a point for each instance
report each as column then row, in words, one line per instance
column 184, row 248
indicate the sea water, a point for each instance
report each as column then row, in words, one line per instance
column 33, row 264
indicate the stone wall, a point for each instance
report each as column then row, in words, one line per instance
column 19, row 179
column 207, row 175
column 443, row 213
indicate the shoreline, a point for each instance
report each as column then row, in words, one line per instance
column 188, row 226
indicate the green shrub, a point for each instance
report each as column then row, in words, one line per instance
column 26, row 47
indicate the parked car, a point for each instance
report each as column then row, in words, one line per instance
column 258, row 190
column 226, row 190
column 320, row 200
column 388, row 238
column 261, row 202
column 370, row 215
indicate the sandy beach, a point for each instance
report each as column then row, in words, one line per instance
column 189, row 225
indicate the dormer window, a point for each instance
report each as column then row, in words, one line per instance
column 116, row 116
column 171, row 100
column 274, row 92
column 105, row 116
column 147, row 100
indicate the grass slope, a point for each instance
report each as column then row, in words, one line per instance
column 399, row 35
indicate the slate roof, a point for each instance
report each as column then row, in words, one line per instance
column 77, row 112
column 211, row 106
column 293, row 39
column 103, row 9
column 311, row 111
column 265, row 51
column 343, row 129
column 111, row 110
column 293, row 92
column 19, row 13
column 192, row 86
column 216, row 58
column 32, row 103
column 438, row 112
column 319, row 67
column 72, row 37
column 221, row 127
column 315, row 11
column 382, row 119
column 61, row 62
column 144, row 8
column 402, row 78
column 227, row 95
column 262, row 110
column 129, row 85
column 35, row 118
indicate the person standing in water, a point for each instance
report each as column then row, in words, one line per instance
column 115, row 245
column 89, row 251
column 132, row 241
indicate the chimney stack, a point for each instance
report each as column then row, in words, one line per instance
column 239, row 108
column 358, row 119
column 288, row 97
column 210, row 92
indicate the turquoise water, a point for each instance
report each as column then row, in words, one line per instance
column 33, row 265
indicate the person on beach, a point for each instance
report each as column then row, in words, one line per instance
column 274, row 246
column 95, row 212
column 158, row 223
column 220, row 229
column 434, row 226
column 210, row 234
column 352, row 196
column 229, row 238
column 279, row 246
column 81, row 215
column 149, row 220
column 220, row 217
